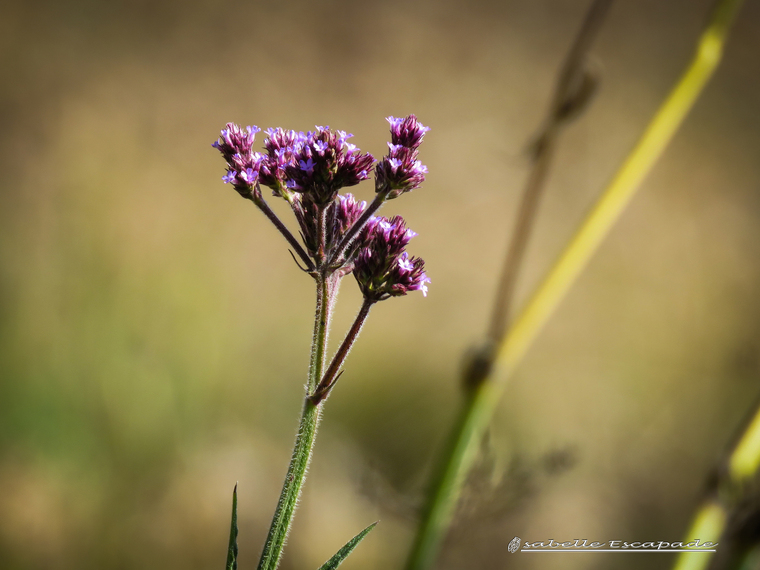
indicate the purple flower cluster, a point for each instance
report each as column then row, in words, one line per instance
column 236, row 146
column 400, row 171
column 382, row 266
column 324, row 162
column 281, row 147
column 308, row 170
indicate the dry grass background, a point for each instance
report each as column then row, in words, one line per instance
column 154, row 332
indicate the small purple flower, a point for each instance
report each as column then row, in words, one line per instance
column 249, row 176
column 382, row 266
column 308, row 166
column 410, row 275
column 323, row 163
column 404, row 263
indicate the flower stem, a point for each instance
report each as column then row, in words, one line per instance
column 328, row 380
column 307, row 431
column 264, row 207
column 481, row 402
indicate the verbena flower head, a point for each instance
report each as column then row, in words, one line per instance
column 400, row 171
column 243, row 165
column 347, row 213
column 324, row 162
column 382, row 266
column 281, row 146
column 407, row 132
column 308, row 170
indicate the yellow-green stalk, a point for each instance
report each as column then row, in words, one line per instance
column 480, row 404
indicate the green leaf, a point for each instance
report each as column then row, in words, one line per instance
column 341, row 555
column 232, row 551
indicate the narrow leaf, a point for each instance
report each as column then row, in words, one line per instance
column 232, row 551
column 341, row 555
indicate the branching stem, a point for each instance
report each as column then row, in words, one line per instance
column 354, row 230
column 264, row 207
column 328, row 380
column 307, row 431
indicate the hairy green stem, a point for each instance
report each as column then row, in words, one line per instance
column 307, row 431
column 481, row 402
column 331, row 375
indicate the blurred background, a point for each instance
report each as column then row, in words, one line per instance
column 154, row 331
